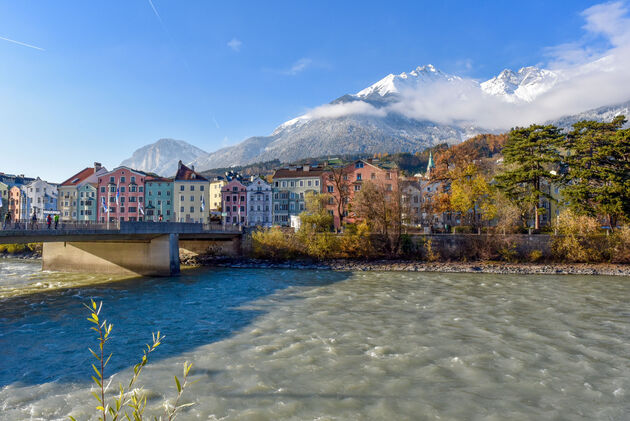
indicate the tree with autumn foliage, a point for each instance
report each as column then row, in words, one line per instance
column 381, row 207
column 471, row 195
column 530, row 156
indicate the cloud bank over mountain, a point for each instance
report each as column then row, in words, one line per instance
column 578, row 78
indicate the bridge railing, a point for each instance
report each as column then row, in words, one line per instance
column 29, row 224
column 221, row 227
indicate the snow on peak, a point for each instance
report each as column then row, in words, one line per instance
column 524, row 85
column 394, row 84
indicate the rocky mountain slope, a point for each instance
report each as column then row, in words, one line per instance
column 162, row 156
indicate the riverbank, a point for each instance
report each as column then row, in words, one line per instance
column 416, row 266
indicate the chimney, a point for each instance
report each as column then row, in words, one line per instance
column 179, row 165
column 97, row 166
column 192, row 167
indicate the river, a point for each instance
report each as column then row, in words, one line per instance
column 320, row 345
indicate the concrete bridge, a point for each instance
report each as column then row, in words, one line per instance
column 141, row 248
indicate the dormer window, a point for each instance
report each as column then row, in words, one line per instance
column 358, row 165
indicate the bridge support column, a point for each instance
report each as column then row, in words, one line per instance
column 156, row 257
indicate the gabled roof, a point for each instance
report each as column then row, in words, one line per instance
column 78, row 177
column 186, row 174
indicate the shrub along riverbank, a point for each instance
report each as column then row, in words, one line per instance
column 23, row 251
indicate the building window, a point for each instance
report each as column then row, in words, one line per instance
column 181, row 188
column 192, row 198
column 181, row 209
column 192, row 209
column 192, row 188
column 358, row 176
column 201, row 188
column 357, row 187
column 122, row 179
column 358, row 165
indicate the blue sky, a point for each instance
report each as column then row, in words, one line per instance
column 109, row 77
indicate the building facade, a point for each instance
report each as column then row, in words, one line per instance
column 158, row 199
column 191, row 193
column 234, row 202
column 290, row 186
column 259, row 202
column 122, row 193
column 351, row 178
column 41, row 198
column 216, row 198
column 4, row 200
column 86, row 206
column 68, row 202
column 17, row 203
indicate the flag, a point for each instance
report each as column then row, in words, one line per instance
column 105, row 208
column 117, row 195
column 203, row 204
column 140, row 209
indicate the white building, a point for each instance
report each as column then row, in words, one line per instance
column 41, row 198
column 259, row 197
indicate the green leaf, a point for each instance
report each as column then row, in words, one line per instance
column 179, row 386
column 98, row 373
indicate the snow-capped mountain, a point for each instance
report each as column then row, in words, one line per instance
column 415, row 79
column 162, row 156
column 407, row 112
column 524, row 85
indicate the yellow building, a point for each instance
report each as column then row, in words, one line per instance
column 215, row 193
column 191, row 196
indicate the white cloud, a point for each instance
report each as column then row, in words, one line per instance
column 588, row 78
column 299, row 66
column 235, row 44
column 344, row 109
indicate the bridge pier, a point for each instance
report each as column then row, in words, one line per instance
column 158, row 256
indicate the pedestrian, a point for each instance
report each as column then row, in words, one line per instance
column 7, row 219
column 56, row 220
column 160, row 218
column 34, row 220
column 48, row 220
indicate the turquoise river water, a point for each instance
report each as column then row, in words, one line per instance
column 320, row 345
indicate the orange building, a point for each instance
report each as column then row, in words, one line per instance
column 343, row 182
column 17, row 203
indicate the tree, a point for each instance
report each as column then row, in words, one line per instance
column 597, row 182
column 338, row 178
column 471, row 195
column 382, row 209
column 530, row 155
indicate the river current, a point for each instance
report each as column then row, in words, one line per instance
column 320, row 345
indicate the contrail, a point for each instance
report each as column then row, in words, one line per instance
column 23, row 43
column 155, row 11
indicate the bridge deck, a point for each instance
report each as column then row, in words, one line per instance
column 123, row 232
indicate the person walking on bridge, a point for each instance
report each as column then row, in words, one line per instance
column 34, row 220
column 7, row 219
column 48, row 220
column 56, row 220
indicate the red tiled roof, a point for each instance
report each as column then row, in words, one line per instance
column 186, row 174
column 78, row 177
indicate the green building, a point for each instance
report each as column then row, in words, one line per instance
column 158, row 201
column 86, row 204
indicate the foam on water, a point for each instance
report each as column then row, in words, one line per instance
column 322, row 345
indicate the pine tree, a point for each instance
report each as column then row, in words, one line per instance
column 598, row 177
column 530, row 154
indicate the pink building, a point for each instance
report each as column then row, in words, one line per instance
column 130, row 187
column 234, row 202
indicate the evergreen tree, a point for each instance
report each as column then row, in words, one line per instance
column 598, row 177
column 530, row 154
